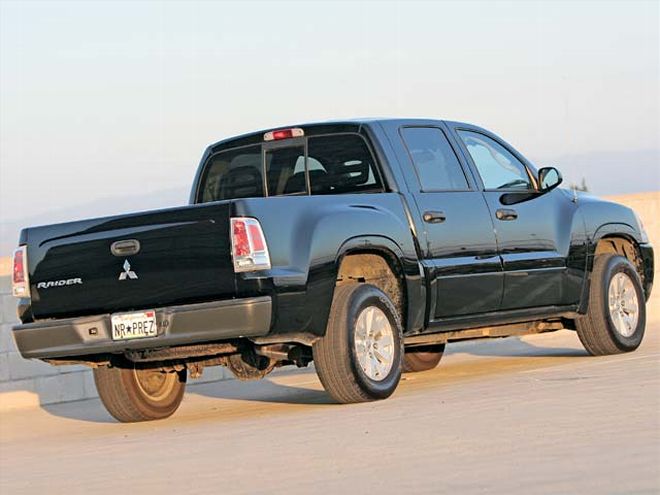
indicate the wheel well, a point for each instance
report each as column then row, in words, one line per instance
column 624, row 247
column 375, row 269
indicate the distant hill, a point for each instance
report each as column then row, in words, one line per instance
column 610, row 172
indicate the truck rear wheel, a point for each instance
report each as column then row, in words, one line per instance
column 359, row 358
column 616, row 317
column 422, row 358
column 131, row 395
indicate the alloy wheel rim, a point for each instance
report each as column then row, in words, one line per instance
column 623, row 304
column 155, row 384
column 374, row 343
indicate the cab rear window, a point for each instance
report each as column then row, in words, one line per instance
column 233, row 174
column 330, row 164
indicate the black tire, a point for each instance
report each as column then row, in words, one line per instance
column 422, row 358
column 335, row 355
column 597, row 330
column 131, row 395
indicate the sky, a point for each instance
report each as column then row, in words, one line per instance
column 106, row 107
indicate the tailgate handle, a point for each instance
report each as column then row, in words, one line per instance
column 125, row 247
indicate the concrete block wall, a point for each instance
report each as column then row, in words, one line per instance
column 25, row 383
column 31, row 383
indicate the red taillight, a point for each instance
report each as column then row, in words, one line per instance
column 240, row 241
column 257, row 237
column 20, row 280
column 19, row 271
column 248, row 244
column 284, row 134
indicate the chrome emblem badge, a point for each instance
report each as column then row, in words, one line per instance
column 127, row 273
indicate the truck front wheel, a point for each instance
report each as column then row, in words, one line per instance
column 131, row 395
column 616, row 317
column 359, row 358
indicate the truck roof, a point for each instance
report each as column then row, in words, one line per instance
column 346, row 123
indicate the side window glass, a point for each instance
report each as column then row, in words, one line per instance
column 436, row 163
column 497, row 166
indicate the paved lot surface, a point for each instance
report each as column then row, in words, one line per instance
column 531, row 415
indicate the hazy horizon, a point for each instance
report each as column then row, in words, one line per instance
column 106, row 105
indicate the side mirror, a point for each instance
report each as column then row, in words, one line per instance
column 549, row 178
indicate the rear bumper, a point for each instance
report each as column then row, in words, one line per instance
column 177, row 325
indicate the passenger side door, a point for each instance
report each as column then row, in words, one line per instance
column 534, row 234
column 453, row 224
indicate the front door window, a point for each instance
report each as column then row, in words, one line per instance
column 498, row 167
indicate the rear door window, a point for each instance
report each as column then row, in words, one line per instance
column 436, row 164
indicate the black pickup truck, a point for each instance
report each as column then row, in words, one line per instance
column 364, row 246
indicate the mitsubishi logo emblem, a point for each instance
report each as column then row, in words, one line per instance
column 127, row 273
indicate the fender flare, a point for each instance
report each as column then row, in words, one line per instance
column 611, row 229
column 614, row 229
column 369, row 243
column 409, row 269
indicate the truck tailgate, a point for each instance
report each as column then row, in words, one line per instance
column 184, row 257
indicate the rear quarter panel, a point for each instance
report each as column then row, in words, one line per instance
column 308, row 235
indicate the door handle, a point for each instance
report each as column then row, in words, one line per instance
column 506, row 214
column 434, row 217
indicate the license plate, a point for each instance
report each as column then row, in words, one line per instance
column 136, row 325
